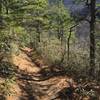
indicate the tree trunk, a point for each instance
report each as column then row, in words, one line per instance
column 0, row 8
column 92, row 37
column 0, row 15
column 38, row 30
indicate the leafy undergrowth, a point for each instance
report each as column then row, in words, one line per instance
column 7, row 79
column 35, row 80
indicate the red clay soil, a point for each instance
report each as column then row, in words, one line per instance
column 34, row 90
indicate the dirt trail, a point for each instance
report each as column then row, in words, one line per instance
column 24, row 63
column 34, row 90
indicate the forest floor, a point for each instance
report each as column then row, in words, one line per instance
column 36, row 81
column 32, row 83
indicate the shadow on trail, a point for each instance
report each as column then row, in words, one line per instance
column 2, row 97
column 35, row 87
column 27, row 91
column 32, row 90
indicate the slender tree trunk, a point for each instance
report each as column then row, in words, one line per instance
column 0, row 15
column 63, row 44
column 38, row 31
column 68, row 45
column 0, row 8
column 92, row 37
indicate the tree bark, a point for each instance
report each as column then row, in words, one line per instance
column 92, row 37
